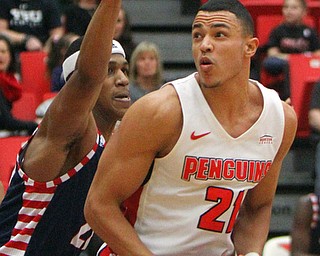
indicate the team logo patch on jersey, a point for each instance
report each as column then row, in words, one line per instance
column 266, row 139
column 195, row 136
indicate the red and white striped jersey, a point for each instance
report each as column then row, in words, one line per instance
column 46, row 218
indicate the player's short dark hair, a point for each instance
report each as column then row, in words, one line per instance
column 235, row 7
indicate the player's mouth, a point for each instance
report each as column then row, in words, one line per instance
column 123, row 98
column 205, row 63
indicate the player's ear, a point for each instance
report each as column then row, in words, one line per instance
column 251, row 46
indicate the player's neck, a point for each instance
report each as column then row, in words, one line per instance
column 105, row 125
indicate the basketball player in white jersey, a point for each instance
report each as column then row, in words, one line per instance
column 203, row 153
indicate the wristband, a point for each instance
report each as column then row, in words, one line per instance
column 252, row 254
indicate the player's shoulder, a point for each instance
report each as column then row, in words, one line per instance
column 156, row 109
column 290, row 125
column 290, row 114
column 164, row 100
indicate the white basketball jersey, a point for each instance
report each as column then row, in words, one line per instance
column 190, row 203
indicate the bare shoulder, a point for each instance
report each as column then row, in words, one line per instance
column 290, row 128
column 159, row 106
column 289, row 112
column 290, row 119
column 157, row 118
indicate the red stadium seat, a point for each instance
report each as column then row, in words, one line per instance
column 304, row 73
column 9, row 147
column 34, row 73
column 25, row 107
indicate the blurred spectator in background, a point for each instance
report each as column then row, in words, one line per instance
column 56, row 54
column 30, row 23
column 292, row 36
column 123, row 33
column 314, row 122
column 145, row 70
column 76, row 17
column 305, row 234
column 10, row 91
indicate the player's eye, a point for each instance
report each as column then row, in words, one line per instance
column 125, row 71
column 110, row 71
column 220, row 34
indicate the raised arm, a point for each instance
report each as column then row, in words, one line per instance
column 77, row 99
column 69, row 121
column 252, row 226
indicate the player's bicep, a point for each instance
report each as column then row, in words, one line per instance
column 120, row 172
column 133, row 147
column 130, row 152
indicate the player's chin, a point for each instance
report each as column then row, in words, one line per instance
column 120, row 111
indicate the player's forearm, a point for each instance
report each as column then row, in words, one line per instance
column 112, row 227
column 97, row 51
column 251, row 230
